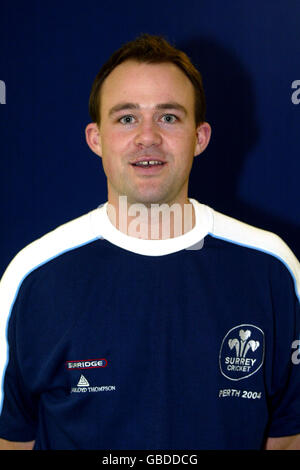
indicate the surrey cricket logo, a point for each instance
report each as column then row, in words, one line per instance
column 242, row 352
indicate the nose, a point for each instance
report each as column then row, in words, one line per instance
column 148, row 134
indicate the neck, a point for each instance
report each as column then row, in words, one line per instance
column 152, row 221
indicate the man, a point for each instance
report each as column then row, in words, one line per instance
column 153, row 322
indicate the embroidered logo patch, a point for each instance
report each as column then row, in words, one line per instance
column 84, row 386
column 86, row 364
column 242, row 352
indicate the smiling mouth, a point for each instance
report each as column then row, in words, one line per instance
column 148, row 163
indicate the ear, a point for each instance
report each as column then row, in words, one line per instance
column 93, row 138
column 203, row 132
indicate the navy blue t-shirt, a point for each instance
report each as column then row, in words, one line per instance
column 123, row 343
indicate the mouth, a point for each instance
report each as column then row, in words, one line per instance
column 145, row 163
column 149, row 164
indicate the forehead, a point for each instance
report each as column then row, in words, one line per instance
column 146, row 84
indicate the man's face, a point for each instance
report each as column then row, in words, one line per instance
column 147, row 115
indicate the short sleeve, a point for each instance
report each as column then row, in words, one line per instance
column 18, row 412
column 285, row 389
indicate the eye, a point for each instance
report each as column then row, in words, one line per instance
column 170, row 118
column 126, row 119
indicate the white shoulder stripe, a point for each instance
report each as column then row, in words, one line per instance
column 71, row 235
column 240, row 233
column 66, row 237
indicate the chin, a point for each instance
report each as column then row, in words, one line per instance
column 147, row 200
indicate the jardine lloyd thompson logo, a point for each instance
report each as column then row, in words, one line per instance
column 242, row 352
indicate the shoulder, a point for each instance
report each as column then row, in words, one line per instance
column 66, row 237
column 236, row 232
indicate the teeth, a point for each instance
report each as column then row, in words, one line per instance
column 148, row 163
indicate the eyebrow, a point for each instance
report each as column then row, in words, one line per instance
column 125, row 106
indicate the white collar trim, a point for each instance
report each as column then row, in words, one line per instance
column 203, row 225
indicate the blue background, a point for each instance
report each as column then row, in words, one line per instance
column 50, row 52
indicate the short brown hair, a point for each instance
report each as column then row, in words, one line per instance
column 149, row 49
